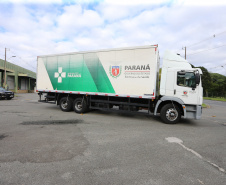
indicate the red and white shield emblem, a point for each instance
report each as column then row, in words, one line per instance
column 115, row 70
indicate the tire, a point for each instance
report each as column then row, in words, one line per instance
column 66, row 104
column 170, row 114
column 80, row 105
column 9, row 98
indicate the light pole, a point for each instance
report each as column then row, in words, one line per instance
column 5, row 69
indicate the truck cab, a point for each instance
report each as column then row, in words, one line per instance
column 180, row 89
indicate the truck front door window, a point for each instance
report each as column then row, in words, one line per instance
column 186, row 80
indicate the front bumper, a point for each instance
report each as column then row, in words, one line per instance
column 6, row 95
column 192, row 111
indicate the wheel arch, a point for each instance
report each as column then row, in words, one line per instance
column 169, row 100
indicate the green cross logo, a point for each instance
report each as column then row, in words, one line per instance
column 60, row 74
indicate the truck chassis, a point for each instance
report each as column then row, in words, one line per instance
column 171, row 112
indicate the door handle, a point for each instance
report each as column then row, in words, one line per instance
column 174, row 91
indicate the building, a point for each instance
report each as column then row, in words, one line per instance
column 18, row 79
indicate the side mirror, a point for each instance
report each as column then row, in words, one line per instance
column 197, row 78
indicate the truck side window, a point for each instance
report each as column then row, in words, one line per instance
column 186, row 80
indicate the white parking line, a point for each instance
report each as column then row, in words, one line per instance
column 180, row 142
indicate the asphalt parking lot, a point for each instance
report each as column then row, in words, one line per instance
column 40, row 144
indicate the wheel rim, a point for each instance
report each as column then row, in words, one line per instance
column 64, row 104
column 171, row 114
column 78, row 105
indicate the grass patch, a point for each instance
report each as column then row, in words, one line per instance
column 205, row 106
column 215, row 99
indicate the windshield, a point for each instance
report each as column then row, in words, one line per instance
column 186, row 80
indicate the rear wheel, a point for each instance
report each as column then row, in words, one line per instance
column 170, row 114
column 66, row 104
column 80, row 105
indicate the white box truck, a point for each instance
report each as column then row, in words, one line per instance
column 124, row 79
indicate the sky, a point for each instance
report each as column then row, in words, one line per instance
column 30, row 28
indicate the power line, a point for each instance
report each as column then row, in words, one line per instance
column 207, row 49
column 19, row 58
column 213, row 36
column 23, row 60
column 218, row 66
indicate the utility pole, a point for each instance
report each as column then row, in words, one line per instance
column 4, row 84
column 5, row 71
column 184, row 48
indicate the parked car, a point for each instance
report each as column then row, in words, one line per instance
column 4, row 94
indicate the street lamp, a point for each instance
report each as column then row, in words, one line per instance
column 5, row 69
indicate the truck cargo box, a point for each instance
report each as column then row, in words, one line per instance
column 123, row 72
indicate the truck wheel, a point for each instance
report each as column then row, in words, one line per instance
column 80, row 105
column 170, row 114
column 66, row 104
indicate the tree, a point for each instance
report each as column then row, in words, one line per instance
column 218, row 85
column 213, row 83
column 206, row 80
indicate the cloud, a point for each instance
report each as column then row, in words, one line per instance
column 204, row 3
column 124, row 2
column 32, row 1
column 74, row 19
column 138, row 2
column 47, row 27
